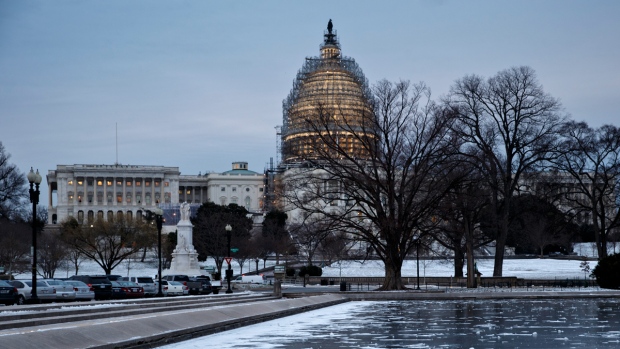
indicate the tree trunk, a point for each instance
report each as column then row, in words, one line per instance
column 500, row 242
column 458, row 262
column 393, row 277
column 469, row 247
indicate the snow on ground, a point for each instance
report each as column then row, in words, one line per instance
column 535, row 268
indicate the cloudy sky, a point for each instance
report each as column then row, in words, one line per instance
column 200, row 84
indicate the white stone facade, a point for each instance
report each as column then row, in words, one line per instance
column 88, row 192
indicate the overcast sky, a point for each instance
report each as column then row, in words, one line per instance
column 200, row 84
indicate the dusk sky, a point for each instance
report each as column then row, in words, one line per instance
column 200, row 84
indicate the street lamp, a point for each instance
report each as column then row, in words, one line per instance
column 417, row 257
column 157, row 214
column 35, row 180
column 229, row 271
column 256, row 260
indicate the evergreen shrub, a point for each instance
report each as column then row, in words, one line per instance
column 607, row 272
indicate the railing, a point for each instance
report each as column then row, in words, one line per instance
column 372, row 283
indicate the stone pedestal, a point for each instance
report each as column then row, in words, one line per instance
column 184, row 256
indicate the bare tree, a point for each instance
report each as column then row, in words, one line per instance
column 108, row 243
column 592, row 158
column 52, row 254
column 12, row 186
column 309, row 235
column 509, row 126
column 459, row 218
column 15, row 242
column 381, row 193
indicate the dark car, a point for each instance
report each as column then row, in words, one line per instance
column 8, row 293
column 199, row 285
column 126, row 289
column 98, row 283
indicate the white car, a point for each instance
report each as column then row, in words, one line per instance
column 174, row 288
column 82, row 291
column 64, row 291
column 45, row 293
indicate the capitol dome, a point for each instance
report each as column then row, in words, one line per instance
column 330, row 91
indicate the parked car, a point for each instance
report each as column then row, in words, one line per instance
column 249, row 279
column 164, row 287
column 175, row 288
column 126, row 289
column 113, row 277
column 99, row 283
column 147, row 283
column 199, row 285
column 82, row 291
column 182, row 278
column 45, row 293
column 64, row 291
column 8, row 293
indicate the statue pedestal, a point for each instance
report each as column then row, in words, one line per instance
column 184, row 256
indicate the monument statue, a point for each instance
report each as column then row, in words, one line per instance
column 185, row 211
column 330, row 26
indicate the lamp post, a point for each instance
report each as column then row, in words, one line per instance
column 35, row 180
column 229, row 271
column 256, row 260
column 157, row 214
column 417, row 257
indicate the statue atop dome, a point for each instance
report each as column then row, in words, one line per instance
column 330, row 26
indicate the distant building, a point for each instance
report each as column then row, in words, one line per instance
column 88, row 192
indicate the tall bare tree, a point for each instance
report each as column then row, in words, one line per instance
column 108, row 243
column 592, row 158
column 383, row 192
column 459, row 216
column 509, row 126
column 12, row 185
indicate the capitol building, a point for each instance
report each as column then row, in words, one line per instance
column 330, row 86
column 90, row 192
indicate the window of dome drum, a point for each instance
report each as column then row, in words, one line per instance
column 80, row 182
column 147, row 183
column 119, row 183
column 129, row 183
column 109, row 183
column 138, row 183
column 99, row 183
column 70, row 182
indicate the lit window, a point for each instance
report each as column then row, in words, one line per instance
column 138, row 183
column 147, row 183
column 129, row 183
column 157, row 183
column 109, row 183
column 99, row 183
column 189, row 191
column 166, row 184
column 70, row 182
column 80, row 182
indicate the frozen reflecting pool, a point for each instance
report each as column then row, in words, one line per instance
column 554, row 323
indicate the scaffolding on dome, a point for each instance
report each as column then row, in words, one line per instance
column 329, row 83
